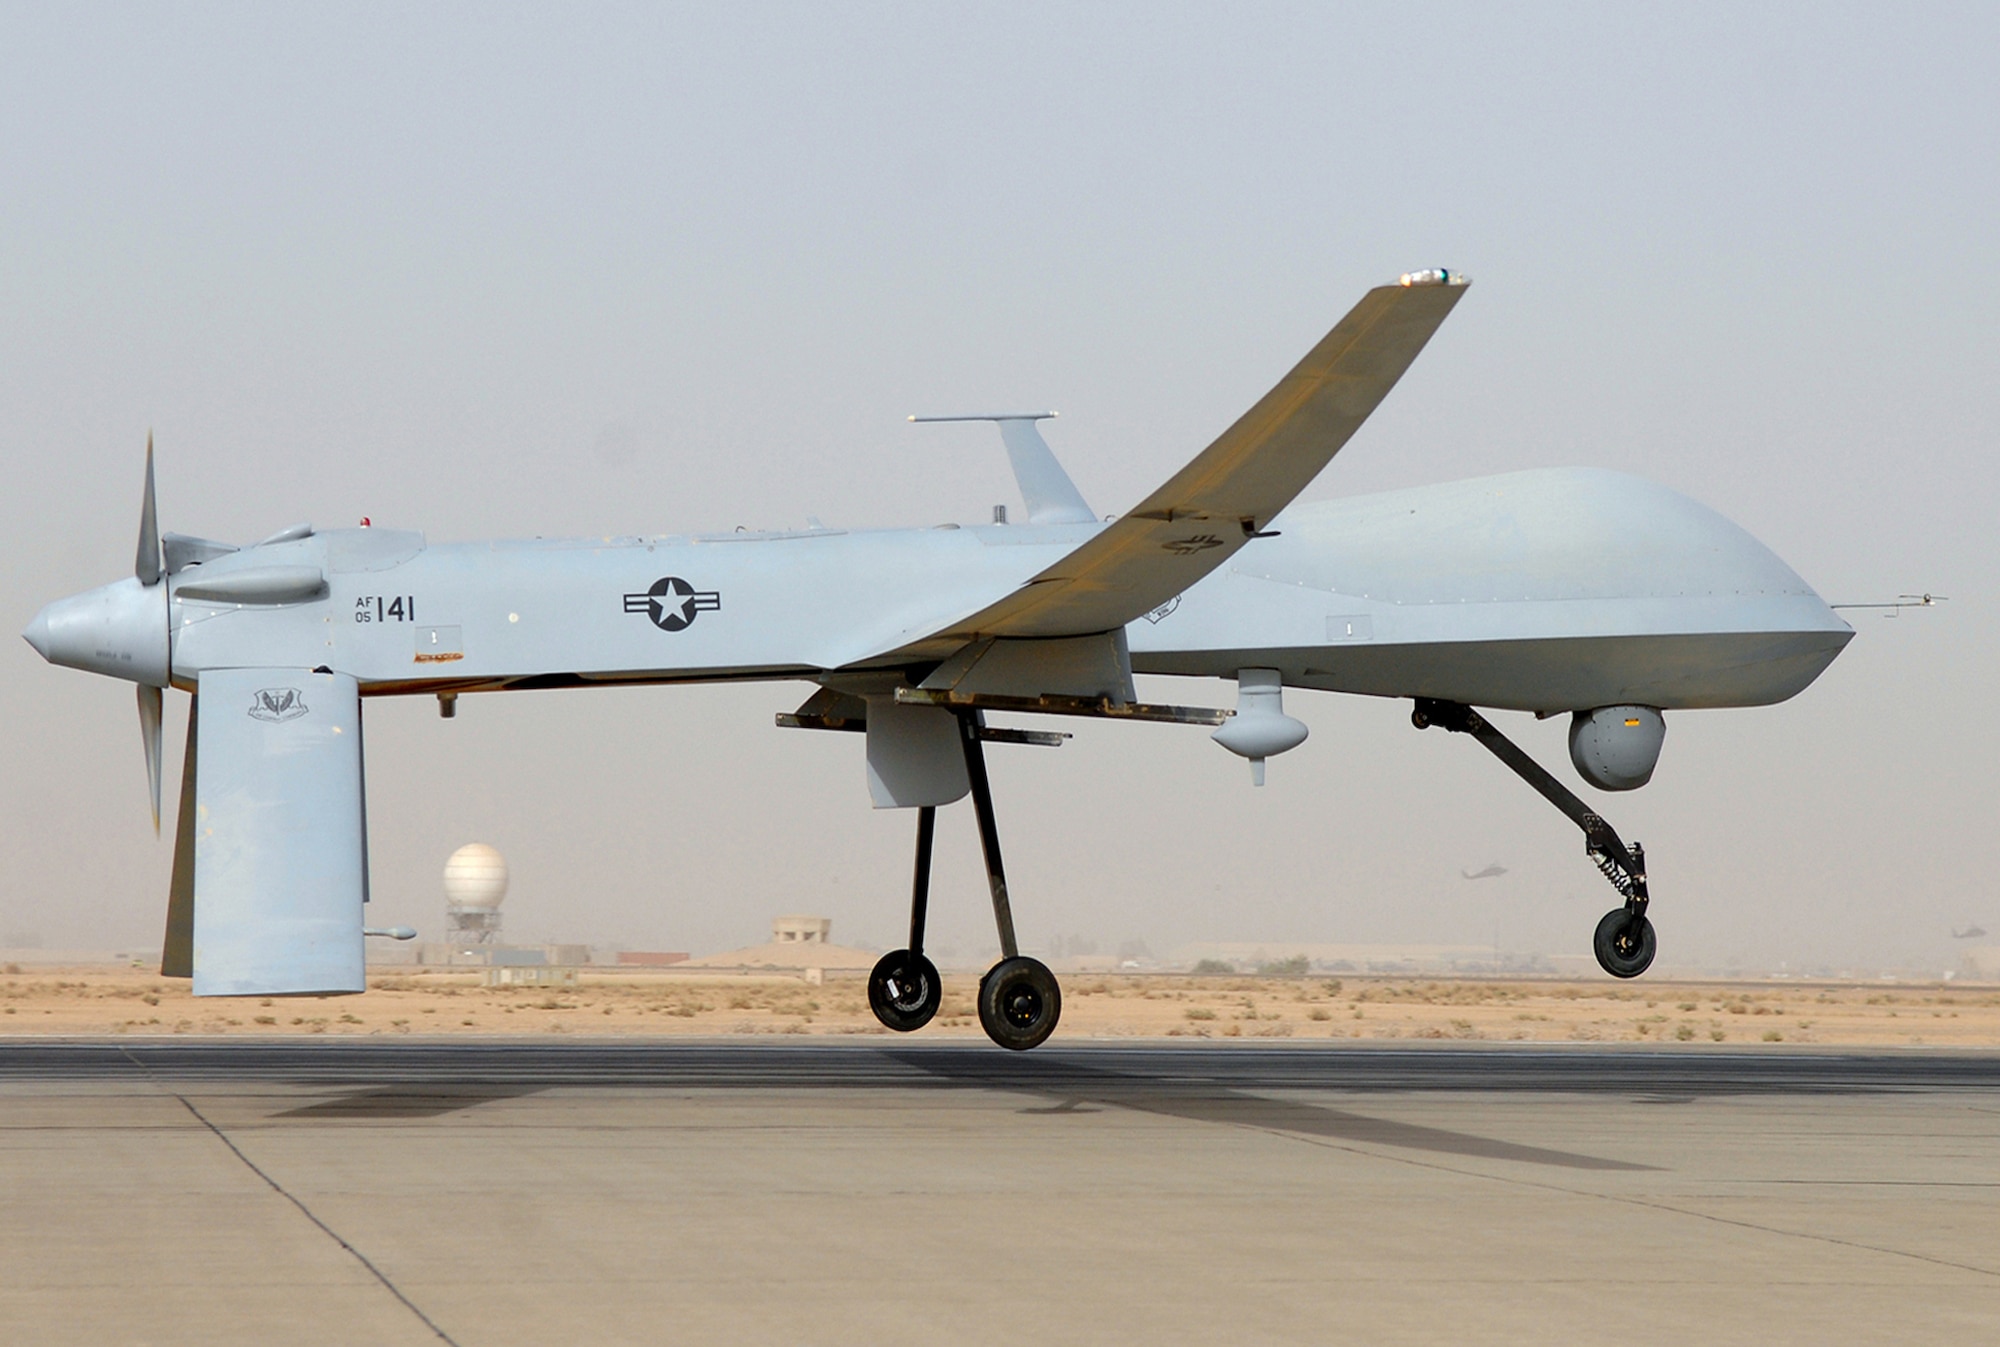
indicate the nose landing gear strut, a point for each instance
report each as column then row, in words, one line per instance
column 1624, row 943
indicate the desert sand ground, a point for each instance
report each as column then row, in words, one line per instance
column 108, row 1001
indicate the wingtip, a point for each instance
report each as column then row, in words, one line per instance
column 1433, row 276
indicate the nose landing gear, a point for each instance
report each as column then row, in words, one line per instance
column 1624, row 943
column 1019, row 1000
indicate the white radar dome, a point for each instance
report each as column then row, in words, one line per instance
column 475, row 876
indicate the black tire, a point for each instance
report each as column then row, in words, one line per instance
column 904, row 990
column 1019, row 1003
column 1624, row 944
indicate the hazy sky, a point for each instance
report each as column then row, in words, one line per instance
column 595, row 268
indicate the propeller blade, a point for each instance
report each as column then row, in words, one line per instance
column 147, row 568
column 149, row 730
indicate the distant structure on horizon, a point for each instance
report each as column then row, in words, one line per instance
column 801, row 930
column 475, row 882
column 804, row 943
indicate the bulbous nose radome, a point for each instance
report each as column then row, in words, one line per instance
column 119, row 630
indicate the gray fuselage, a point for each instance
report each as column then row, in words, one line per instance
column 1543, row 590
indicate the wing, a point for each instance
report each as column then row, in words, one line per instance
column 1215, row 504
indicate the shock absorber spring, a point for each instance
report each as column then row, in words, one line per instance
column 1613, row 871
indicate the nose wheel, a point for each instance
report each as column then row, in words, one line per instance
column 1624, row 943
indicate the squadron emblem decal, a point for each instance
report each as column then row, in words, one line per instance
column 276, row 704
column 672, row 603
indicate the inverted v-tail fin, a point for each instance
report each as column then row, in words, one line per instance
column 280, row 852
column 1048, row 494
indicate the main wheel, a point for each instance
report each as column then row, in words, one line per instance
column 904, row 991
column 1019, row 1003
column 1624, row 944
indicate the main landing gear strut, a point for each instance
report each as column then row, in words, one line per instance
column 1624, row 943
column 1019, row 1001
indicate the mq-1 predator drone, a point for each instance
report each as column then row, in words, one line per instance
column 1587, row 592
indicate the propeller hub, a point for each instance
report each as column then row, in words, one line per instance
column 119, row 630
column 36, row 633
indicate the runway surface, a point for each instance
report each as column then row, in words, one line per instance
column 827, row 1191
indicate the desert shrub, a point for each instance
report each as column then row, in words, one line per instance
column 1213, row 967
column 1295, row 967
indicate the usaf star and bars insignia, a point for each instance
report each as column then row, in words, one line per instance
column 672, row 603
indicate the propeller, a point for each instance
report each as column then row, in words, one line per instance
column 149, row 730
column 147, row 568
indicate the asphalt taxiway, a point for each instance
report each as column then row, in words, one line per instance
column 399, row 1191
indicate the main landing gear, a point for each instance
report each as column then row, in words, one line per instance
column 903, row 990
column 1019, row 1001
column 1624, row 942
